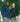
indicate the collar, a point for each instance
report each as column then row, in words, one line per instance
column 7, row 6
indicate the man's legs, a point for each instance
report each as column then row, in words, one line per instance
column 6, row 20
column 12, row 19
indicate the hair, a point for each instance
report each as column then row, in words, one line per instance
column 12, row 3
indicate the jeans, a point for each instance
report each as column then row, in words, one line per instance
column 6, row 20
column 14, row 19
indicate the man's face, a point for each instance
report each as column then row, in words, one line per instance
column 7, row 3
column 13, row 5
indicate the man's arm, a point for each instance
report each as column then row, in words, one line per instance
column 10, row 12
column 2, row 10
column 16, row 13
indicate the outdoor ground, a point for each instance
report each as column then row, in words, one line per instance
column 1, row 19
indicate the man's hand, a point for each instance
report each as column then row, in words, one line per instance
column 4, row 18
column 16, row 16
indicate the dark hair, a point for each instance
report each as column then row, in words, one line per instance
column 12, row 3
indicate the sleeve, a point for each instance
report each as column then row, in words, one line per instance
column 10, row 12
column 2, row 11
column 16, row 12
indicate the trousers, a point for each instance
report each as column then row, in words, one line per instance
column 14, row 19
column 6, row 20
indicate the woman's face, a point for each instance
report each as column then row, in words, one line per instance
column 13, row 5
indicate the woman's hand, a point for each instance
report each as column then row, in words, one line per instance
column 16, row 16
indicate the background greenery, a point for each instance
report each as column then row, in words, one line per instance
column 15, row 1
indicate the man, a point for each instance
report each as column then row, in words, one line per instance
column 5, row 12
column 14, row 13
